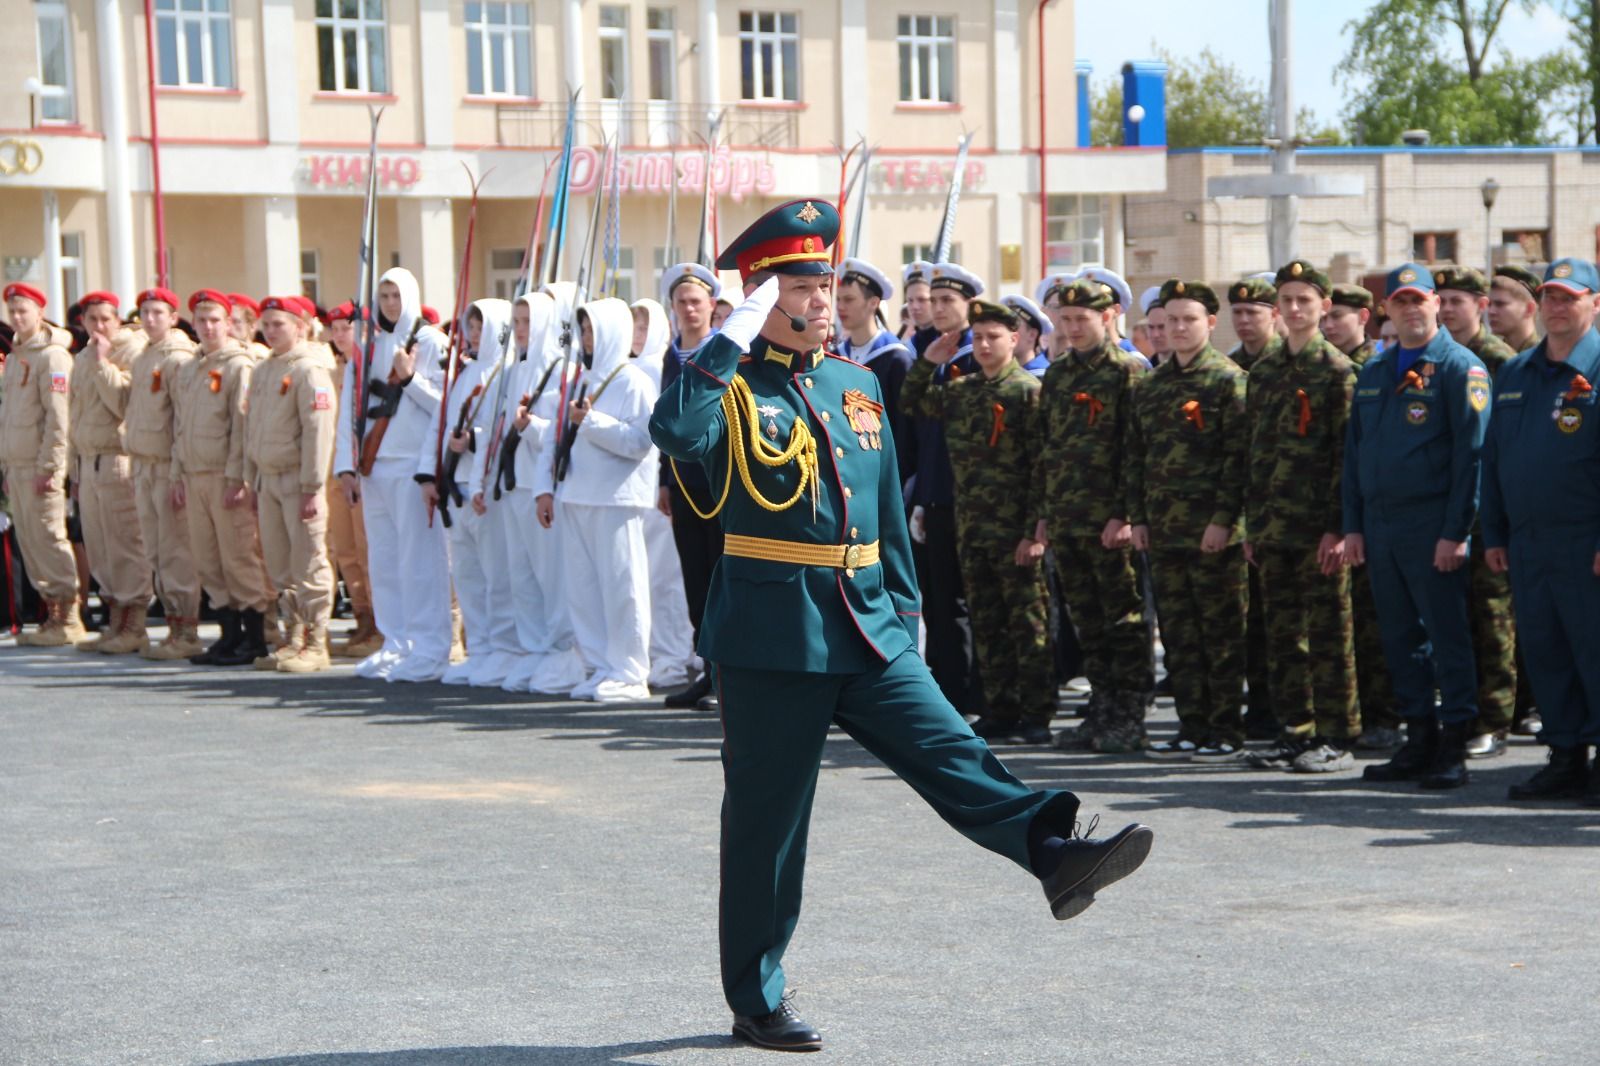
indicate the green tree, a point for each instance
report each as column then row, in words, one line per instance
column 1431, row 64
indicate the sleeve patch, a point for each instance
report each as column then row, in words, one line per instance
column 322, row 400
column 58, row 383
column 1477, row 372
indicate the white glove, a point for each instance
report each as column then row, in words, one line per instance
column 744, row 322
column 919, row 525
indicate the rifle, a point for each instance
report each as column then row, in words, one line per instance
column 507, row 472
column 569, row 435
column 366, row 298
column 952, row 200
column 452, row 459
column 387, row 394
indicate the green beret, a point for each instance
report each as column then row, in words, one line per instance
column 1087, row 293
column 1462, row 279
column 1178, row 289
column 1357, row 296
column 984, row 311
column 1300, row 270
column 1253, row 291
column 1521, row 275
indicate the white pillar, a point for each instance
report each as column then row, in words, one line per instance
column 114, row 116
column 272, row 243
column 1114, row 236
column 1009, row 71
column 710, row 68
column 427, row 249
column 438, row 99
column 52, row 255
column 572, row 54
column 280, row 76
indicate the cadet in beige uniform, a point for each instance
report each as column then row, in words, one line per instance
column 103, row 474
column 149, row 442
column 208, row 483
column 33, row 454
column 347, row 529
column 289, row 437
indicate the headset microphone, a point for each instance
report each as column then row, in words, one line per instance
column 798, row 324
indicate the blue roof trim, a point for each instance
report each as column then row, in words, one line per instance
column 1384, row 149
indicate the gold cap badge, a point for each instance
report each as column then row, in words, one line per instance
column 809, row 213
column 1295, row 270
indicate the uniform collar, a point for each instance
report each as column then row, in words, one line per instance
column 1005, row 372
column 1202, row 359
column 1095, row 358
column 1585, row 357
column 790, row 360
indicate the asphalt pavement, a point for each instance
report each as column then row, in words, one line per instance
column 229, row 868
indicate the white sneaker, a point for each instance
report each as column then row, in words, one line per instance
column 621, row 692
column 458, row 673
column 414, row 668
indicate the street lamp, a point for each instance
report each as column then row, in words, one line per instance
column 1490, row 189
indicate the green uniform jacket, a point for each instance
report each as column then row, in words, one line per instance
column 1493, row 352
column 991, row 425
column 1083, row 417
column 1186, row 450
column 1363, row 353
column 1298, row 403
column 785, row 616
column 1248, row 362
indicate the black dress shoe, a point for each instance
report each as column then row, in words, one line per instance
column 782, row 1030
column 1035, row 734
column 1566, row 775
column 1486, row 746
column 1087, row 866
column 1591, row 791
column 1415, row 757
column 997, row 731
column 686, row 699
column 1527, row 725
column 1449, row 766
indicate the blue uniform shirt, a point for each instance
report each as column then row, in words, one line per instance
column 1037, row 365
column 890, row 359
column 1413, row 444
column 1541, row 463
column 934, row 483
column 693, row 475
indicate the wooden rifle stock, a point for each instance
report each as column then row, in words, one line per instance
column 505, row 476
column 372, row 440
column 452, row 460
column 568, row 436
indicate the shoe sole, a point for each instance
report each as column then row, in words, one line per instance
column 1168, row 756
column 1123, row 859
column 1324, row 767
column 750, row 1038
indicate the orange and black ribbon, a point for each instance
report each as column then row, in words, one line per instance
column 1305, row 410
column 1095, row 406
column 283, row 386
column 216, row 380
column 1413, row 380
column 155, row 381
column 1191, row 411
column 1580, row 387
column 999, row 424
column 27, row 372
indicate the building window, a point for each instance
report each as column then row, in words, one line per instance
column 621, row 284
column 194, row 42
column 55, row 61
column 1431, row 247
column 352, row 46
column 499, row 49
column 910, row 253
column 1534, row 243
column 71, row 267
column 1074, row 232
column 505, row 266
column 769, row 56
column 927, row 59
column 613, row 52
column 311, row 275
column 662, row 41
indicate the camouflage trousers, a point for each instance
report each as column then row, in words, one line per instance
column 1494, row 643
column 1372, row 673
column 1009, row 611
column 1202, row 601
column 1310, row 643
column 1102, row 593
column 1255, row 649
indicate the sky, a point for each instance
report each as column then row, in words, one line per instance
column 1237, row 31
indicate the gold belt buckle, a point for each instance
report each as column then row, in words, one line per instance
column 852, row 560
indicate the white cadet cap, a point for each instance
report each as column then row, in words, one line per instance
column 1148, row 298
column 1114, row 280
column 674, row 276
column 915, row 271
column 957, row 277
column 1051, row 283
column 1024, row 306
column 863, row 271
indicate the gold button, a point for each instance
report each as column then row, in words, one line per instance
column 826, row 417
column 809, row 383
column 847, row 492
column 838, row 453
column 854, row 532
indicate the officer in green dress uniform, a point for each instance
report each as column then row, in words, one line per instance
column 811, row 618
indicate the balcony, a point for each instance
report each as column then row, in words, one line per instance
column 659, row 124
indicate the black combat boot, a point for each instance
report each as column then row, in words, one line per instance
column 1566, row 775
column 1415, row 757
column 231, row 635
column 1449, row 766
column 252, row 641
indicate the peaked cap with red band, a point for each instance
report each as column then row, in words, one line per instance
column 793, row 238
column 22, row 288
column 211, row 296
column 166, row 296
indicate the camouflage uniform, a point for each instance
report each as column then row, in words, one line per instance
column 991, row 425
column 1372, row 673
column 1298, row 404
column 1186, row 457
column 1255, row 629
column 1077, row 488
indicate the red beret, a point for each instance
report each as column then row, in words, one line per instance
column 22, row 288
column 210, row 296
column 239, row 299
column 306, row 308
column 166, row 296
column 100, row 296
column 345, row 312
column 288, row 304
column 429, row 315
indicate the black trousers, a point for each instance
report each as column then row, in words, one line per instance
column 944, row 612
column 699, row 544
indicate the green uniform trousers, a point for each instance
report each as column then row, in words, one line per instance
column 1310, row 643
column 775, row 725
column 1102, row 592
column 1202, row 600
column 1373, row 687
column 1494, row 642
column 1010, row 617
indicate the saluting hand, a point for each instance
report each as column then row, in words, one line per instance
column 943, row 349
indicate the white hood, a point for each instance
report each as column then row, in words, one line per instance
column 496, row 321
column 613, row 337
column 410, row 298
column 656, row 337
column 543, row 332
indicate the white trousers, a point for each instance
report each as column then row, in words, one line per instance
column 671, row 635
column 608, row 589
column 409, row 564
column 536, row 563
column 471, row 565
